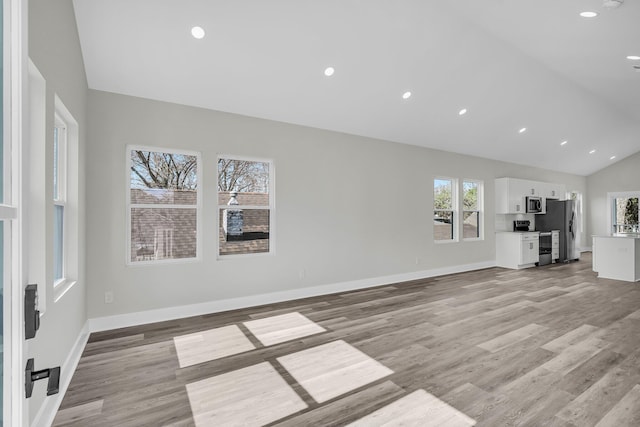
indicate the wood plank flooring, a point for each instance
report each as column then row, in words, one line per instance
column 550, row 346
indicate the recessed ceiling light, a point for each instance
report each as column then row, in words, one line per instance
column 634, row 57
column 564, row 143
column 612, row 157
column 592, row 151
column 462, row 112
column 406, row 95
column 329, row 71
column 523, row 130
column 588, row 14
column 197, row 32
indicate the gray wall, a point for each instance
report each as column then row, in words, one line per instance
column 347, row 207
column 621, row 176
column 55, row 50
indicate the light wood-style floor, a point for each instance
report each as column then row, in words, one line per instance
column 549, row 346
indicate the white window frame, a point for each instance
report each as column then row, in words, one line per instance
column 68, row 197
column 60, row 199
column 271, row 208
column 480, row 209
column 455, row 208
column 197, row 206
column 610, row 210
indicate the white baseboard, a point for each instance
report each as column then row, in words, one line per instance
column 49, row 408
column 586, row 249
column 170, row 313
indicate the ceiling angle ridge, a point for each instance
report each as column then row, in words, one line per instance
column 612, row 4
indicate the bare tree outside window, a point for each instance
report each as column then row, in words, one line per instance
column 243, row 176
column 163, row 205
column 169, row 171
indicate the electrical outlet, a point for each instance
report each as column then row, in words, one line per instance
column 301, row 274
column 418, row 260
column 108, row 297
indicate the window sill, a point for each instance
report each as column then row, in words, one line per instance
column 244, row 256
column 167, row 261
column 475, row 239
column 61, row 287
column 445, row 242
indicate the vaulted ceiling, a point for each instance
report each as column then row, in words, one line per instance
column 534, row 64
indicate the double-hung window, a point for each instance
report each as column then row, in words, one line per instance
column 65, row 200
column 445, row 210
column 245, row 206
column 163, row 205
column 472, row 209
column 59, row 197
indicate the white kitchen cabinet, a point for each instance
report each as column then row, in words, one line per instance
column 511, row 193
column 526, row 188
column 555, row 191
column 616, row 257
column 552, row 191
column 530, row 243
column 517, row 250
column 555, row 245
column 509, row 196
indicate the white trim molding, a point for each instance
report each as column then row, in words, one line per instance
column 171, row 313
column 49, row 408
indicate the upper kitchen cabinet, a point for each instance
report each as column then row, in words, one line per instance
column 511, row 193
column 524, row 187
column 555, row 191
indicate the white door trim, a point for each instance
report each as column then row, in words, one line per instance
column 15, row 77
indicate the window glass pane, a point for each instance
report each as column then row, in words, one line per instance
column 58, row 242
column 471, row 225
column 1, row 315
column 56, row 156
column 163, row 178
column 163, row 233
column 443, row 225
column 442, row 189
column 249, row 181
column 1, row 134
column 244, row 231
column 626, row 215
column 470, row 196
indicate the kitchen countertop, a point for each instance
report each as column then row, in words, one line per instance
column 518, row 232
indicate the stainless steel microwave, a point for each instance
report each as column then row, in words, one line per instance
column 534, row 204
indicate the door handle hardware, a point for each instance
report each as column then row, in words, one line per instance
column 31, row 376
column 31, row 314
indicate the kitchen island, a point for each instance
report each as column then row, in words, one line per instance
column 617, row 257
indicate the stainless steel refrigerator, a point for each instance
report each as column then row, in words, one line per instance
column 561, row 216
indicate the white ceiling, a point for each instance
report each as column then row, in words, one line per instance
column 511, row 63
